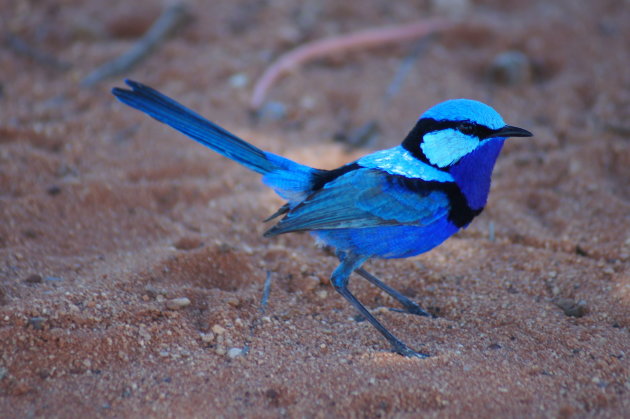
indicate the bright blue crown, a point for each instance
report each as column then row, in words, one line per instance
column 465, row 110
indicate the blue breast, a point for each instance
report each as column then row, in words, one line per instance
column 389, row 242
column 473, row 172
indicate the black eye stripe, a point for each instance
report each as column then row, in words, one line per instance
column 466, row 127
column 480, row 131
column 427, row 125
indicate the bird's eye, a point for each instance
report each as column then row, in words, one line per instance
column 466, row 128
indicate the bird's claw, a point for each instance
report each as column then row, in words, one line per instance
column 407, row 352
column 412, row 309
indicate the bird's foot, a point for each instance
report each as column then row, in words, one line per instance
column 412, row 308
column 406, row 351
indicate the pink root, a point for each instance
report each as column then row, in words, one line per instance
column 358, row 40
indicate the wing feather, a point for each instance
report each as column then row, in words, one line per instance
column 365, row 198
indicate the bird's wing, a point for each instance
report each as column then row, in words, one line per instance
column 366, row 198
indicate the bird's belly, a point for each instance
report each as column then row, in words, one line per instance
column 389, row 241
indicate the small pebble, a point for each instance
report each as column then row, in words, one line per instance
column 37, row 322
column 153, row 292
column 144, row 333
column 380, row 310
column 273, row 111
column 188, row 243
column 177, row 303
column 322, row 294
column 33, row 279
column 53, row 190
column 235, row 352
column 217, row 329
column 207, row 337
column 239, row 80
column 511, row 68
column 572, row 308
column 233, row 302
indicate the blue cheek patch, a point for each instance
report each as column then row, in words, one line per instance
column 445, row 147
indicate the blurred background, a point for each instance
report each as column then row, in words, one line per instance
column 131, row 258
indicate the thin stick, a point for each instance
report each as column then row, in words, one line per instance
column 171, row 18
column 266, row 291
column 405, row 68
column 491, row 236
column 20, row 46
column 358, row 40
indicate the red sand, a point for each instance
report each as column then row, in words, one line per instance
column 107, row 215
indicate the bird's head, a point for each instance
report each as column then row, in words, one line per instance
column 449, row 131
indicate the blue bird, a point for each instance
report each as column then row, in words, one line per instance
column 393, row 203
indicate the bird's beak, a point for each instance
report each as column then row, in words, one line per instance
column 510, row 131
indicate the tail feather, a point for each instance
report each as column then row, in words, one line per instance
column 168, row 111
column 289, row 179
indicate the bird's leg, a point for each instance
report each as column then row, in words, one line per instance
column 409, row 305
column 339, row 279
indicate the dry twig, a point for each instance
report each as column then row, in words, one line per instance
column 169, row 20
column 266, row 291
column 43, row 58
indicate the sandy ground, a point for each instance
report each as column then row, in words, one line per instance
column 108, row 219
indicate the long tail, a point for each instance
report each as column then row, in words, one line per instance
column 290, row 180
column 166, row 110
